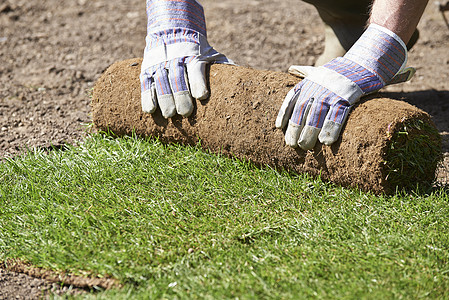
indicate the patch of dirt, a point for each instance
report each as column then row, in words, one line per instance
column 15, row 285
column 21, row 280
column 53, row 51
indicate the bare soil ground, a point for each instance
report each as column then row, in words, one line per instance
column 53, row 51
column 21, row 286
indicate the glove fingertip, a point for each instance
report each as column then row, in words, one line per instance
column 148, row 103
column 199, row 90
column 330, row 132
column 186, row 110
column 183, row 103
column 196, row 72
column 292, row 134
column 309, row 137
column 287, row 108
column 279, row 121
column 167, row 105
column 168, row 112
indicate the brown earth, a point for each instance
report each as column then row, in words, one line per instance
column 52, row 52
column 14, row 285
column 20, row 280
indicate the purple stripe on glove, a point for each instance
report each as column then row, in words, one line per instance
column 365, row 79
column 164, row 14
column 169, row 77
column 382, row 53
column 321, row 101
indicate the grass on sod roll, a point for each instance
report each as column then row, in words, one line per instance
column 413, row 153
column 175, row 221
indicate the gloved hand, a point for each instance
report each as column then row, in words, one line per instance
column 175, row 57
column 317, row 107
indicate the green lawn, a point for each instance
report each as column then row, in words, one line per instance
column 178, row 222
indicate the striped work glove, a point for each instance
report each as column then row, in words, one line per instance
column 317, row 107
column 175, row 57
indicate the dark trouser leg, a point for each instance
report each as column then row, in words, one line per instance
column 340, row 35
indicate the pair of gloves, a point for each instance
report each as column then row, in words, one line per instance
column 177, row 52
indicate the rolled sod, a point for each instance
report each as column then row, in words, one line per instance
column 386, row 144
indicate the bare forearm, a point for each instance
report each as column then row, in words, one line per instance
column 399, row 16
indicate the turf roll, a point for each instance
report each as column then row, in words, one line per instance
column 386, row 144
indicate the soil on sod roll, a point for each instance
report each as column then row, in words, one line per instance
column 386, row 144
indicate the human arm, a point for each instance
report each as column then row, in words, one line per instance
column 399, row 16
column 317, row 108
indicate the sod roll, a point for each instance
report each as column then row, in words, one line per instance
column 386, row 144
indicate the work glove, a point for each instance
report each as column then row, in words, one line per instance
column 317, row 107
column 175, row 57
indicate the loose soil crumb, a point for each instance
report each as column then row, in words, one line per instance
column 52, row 52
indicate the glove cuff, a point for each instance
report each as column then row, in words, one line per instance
column 381, row 53
column 367, row 81
column 168, row 45
column 165, row 14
